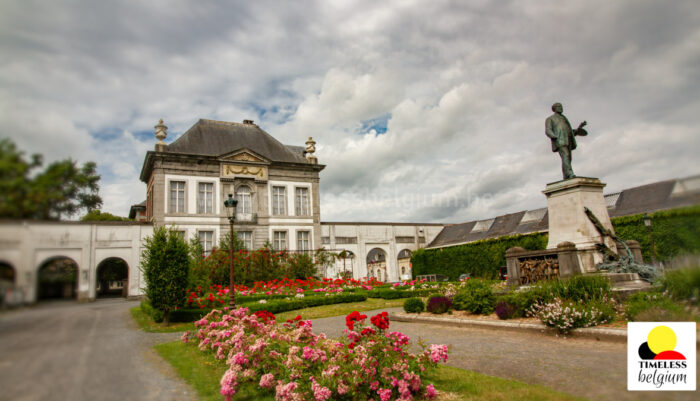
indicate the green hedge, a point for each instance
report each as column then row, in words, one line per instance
column 277, row 306
column 272, row 306
column 675, row 232
column 398, row 294
column 480, row 258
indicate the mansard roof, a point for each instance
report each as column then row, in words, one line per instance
column 215, row 138
column 211, row 139
column 649, row 198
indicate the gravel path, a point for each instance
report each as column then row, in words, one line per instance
column 75, row 352
column 592, row 369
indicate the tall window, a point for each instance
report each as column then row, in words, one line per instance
column 177, row 197
column 245, row 206
column 247, row 238
column 279, row 201
column 205, row 201
column 206, row 238
column 302, row 201
column 303, row 243
column 279, row 240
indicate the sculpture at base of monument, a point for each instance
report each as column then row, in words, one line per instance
column 563, row 139
column 620, row 264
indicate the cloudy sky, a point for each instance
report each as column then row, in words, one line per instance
column 427, row 111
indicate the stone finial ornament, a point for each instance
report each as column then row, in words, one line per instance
column 310, row 149
column 161, row 132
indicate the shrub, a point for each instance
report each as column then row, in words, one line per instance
column 476, row 296
column 290, row 362
column 505, row 310
column 165, row 264
column 654, row 306
column 439, row 304
column 682, row 284
column 565, row 315
column 413, row 305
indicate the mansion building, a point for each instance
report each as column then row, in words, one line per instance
column 277, row 188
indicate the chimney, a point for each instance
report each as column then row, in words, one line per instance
column 161, row 133
column 248, row 122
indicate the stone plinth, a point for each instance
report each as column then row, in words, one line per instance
column 568, row 221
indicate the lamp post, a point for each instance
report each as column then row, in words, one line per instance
column 647, row 223
column 231, row 204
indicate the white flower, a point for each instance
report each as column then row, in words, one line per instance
column 262, row 301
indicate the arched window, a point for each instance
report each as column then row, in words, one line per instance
column 245, row 206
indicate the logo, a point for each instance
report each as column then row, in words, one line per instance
column 661, row 356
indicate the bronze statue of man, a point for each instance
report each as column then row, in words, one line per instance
column 559, row 130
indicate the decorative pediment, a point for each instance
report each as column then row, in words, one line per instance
column 231, row 170
column 244, row 155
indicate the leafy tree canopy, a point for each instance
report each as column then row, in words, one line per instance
column 62, row 189
column 98, row 215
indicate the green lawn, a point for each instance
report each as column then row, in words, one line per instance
column 339, row 309
column 203, row 373
column 459, row 384
column 148, row 325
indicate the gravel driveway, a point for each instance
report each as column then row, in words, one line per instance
column 587, row 368
column 75, row 352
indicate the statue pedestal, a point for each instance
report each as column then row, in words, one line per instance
column 568, row 221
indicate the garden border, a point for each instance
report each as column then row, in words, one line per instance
column 597, row 333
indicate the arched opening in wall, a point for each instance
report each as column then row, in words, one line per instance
column 404, row 264
column 376, row 264
column 112, row 278
column 58, row 279
column 344, row 264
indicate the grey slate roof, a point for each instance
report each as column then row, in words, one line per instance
column 216, row 138
column 643, row 199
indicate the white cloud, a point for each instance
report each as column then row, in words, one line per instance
column 465, row 86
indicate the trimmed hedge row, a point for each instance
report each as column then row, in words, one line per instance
column 273, row 306
column 398, row 294
column 675, row 232
column 480, row 258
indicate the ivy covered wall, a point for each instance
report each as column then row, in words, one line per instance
column 675, row 232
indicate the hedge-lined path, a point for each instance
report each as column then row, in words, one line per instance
column 583, row 367
column 93, row 351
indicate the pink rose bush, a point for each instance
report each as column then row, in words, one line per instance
column 370, row 362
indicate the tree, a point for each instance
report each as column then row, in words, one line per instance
column 62, row 189
column 98, row 215
column 164, row 263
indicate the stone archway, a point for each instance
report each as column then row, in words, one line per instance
column 404, row 264
column 57, row 278
column 111, row 278
column 376, row 264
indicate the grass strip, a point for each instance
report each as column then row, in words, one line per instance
column 147, row 324
column 318, row 312
column 203, row 373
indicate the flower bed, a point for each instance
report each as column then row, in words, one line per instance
column 292, row 362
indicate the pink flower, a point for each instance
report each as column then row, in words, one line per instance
column 438, row 353
column 384, row 394
column 229, row 382
column 430, row 391
column 266, row 380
